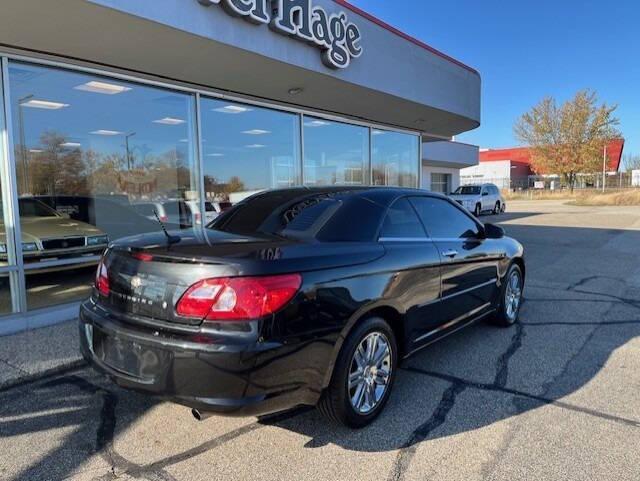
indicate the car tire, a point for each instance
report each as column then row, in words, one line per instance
column 357, row 403
column 503, row 208
column 510, row 298
column 478, row 210
column 496, row 209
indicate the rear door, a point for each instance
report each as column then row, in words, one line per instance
column 414, row 262
column 486, row 198
column 469, row 269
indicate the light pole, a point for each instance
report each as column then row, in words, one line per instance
column 23, row 147
column 604, row 168
column 126, row 146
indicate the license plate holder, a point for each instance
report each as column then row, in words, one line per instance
column 131, row 358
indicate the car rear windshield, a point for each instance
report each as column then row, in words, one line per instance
column 468, row 190
column 325, row 217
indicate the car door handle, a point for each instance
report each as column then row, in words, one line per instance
column 450, row 253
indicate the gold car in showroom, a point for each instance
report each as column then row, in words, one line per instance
column 48, row 235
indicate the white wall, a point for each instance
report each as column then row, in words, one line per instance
column 427, row 170
column 497, row 172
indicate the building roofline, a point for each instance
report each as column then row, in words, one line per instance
column 415, row 41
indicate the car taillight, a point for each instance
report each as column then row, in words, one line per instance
column 164, row 218
column 238, row 298
column 198, row 218
column 102, row 279
column 141, row 256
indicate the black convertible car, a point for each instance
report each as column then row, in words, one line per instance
column 293, row 297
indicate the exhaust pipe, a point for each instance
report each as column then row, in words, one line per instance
column 201, row 415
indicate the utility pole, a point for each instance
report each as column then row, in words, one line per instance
column 126, row 147
column 23, row 147
column 604, row 168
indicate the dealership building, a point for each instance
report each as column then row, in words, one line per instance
column 113, row 109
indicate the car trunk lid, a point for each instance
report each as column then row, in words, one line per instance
column 148, row 275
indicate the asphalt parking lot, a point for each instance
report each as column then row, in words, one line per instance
column 555, row 397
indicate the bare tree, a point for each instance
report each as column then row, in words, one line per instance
column 631, row 162
column 568, row 139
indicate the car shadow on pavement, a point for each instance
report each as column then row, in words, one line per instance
column 576, row 315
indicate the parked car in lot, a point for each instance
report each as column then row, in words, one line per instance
column 111, row 214
column 50, row 235
column 293, row 297
column 214, row 208
column 480, row 198
column 182, row 213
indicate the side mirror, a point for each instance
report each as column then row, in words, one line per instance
column 492, row 231
column 485, row 193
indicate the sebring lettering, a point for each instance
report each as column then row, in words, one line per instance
column 338, row 38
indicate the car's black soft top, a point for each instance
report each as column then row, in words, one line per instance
column 338, row 214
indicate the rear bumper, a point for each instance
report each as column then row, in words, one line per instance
column 240, row 378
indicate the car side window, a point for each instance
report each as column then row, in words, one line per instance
column 401, row 222
column 443, row 220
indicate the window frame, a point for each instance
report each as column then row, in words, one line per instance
column 458, row 207
column 407, row 197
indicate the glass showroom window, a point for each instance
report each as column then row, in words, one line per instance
column 395, row 158
column 335, row 153
column 90, row 152
column 6, row 306
column 247, row 149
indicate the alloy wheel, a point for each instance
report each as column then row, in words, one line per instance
column 369, row 372
column 513, row 295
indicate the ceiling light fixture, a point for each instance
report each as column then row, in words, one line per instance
column 71, row 144
column 256, row 132
column 232, row 109
column 102, row 88
column 169, row 121
column 296, row 91
column 36, row 151
column 215, row 155
column 316, row 123
column 106, row 132
column 44, row 104
column 255, row 146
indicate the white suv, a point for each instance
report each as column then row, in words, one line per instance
column 479, row 198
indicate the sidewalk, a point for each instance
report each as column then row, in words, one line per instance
column 32, row 354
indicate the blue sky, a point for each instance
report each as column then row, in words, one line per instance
column 526, row 50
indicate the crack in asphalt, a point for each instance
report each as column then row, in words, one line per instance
column 634, row 303
column 439, row 416
column 516, row 392
column 437, row 419
column 502, row 365
column 155, row 470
